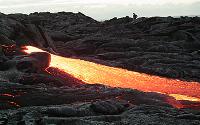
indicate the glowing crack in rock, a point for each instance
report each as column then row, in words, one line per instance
column 92, row 73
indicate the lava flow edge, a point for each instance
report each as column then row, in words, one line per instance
column 93, row 73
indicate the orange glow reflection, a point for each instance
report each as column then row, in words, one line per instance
column 92, row 73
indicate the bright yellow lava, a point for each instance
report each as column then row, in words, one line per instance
column 92, row 73
column 184, row 97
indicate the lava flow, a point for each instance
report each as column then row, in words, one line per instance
column 92, row 73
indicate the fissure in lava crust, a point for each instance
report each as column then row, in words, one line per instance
column 93, row 73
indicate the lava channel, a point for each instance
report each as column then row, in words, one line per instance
column 93, row 73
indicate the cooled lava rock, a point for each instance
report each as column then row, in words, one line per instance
column 34, row 62
column 163, row 46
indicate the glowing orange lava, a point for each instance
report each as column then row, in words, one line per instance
column 92, row 73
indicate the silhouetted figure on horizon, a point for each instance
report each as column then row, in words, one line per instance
column 134, row 16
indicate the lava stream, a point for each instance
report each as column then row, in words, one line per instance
column 92, row 73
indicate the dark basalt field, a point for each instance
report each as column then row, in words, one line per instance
column 162, row 46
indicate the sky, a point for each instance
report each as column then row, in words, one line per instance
column 105, row 9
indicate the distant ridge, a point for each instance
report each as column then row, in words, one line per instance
column 188, row 16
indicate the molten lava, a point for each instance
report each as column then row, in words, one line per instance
column 92, row 73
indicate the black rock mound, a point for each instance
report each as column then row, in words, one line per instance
column 163, row 46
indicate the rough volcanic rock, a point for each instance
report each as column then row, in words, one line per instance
column 163, row 46
column 143, row 114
